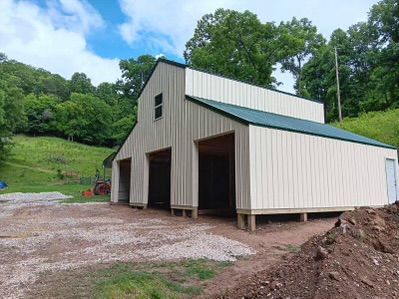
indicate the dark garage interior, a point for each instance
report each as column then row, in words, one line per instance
column 125, row 167
column 217, row 175
column 159, row 179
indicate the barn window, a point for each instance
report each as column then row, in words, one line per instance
column 158, row 106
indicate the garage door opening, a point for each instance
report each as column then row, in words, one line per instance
column 125, row 167
column 159, row 179
column 217, row 176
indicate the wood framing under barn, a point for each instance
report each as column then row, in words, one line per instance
column 205, row 143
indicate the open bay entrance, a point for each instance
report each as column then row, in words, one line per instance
column 159, row 179
column 217, row 175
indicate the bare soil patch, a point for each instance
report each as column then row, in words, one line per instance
column 358, row 258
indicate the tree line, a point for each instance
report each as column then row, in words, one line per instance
column 239, row 45
column 236, row 44
column 36, row 102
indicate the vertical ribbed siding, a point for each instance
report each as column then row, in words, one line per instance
column 291, row 170
column 224, row 90
column 183, row 123
column 115, row 181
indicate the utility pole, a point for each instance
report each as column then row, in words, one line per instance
column 338, row 92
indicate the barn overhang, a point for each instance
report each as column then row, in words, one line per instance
column 281, row 122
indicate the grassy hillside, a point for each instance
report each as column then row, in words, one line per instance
column 382, row 126
column 50, row 164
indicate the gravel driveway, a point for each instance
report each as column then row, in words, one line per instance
column 39, row 236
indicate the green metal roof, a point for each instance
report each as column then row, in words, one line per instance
column 281, row 122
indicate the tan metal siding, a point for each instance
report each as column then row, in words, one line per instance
column 182, row 123
column 291, row 170
column 220, row 89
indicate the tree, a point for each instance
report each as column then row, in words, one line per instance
column 384, row 16
column 53, row 85
column 14, row 109
column 235, row 44
column 368, row 65
column 134, row 73
column 80, row 83
column 5, row 134
column 121, row 129
column 301, row 41
column 11, row 116
column 84, row 118
column 107, row 92
column 3, row 57
column 71, row 120
column 40, row 113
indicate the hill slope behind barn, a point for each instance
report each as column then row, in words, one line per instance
column 382, row 126
column 40, row 164
column 358, row 258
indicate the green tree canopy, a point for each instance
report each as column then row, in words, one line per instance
column 134, row 73
column 368, row 65
column 84, row 118
column 235, row 44
column 80, row 83
column 301, row 41
column 40, row 113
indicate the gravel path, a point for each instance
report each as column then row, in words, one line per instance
column 32, row 197
column 38, row 235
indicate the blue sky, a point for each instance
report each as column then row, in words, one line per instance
column 91, row 36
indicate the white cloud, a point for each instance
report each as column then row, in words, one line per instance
column 54, row 38
column 170, row 23
column 75, row 15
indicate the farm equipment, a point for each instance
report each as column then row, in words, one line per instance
column 102, row 187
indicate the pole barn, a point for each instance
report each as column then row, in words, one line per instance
column 206, row 143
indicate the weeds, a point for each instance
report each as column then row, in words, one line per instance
column 165, row 280
column 293, row 248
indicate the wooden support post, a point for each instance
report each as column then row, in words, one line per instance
column 304, row 217
column 194, row 213
column 184, row 213
column 241, row 221
column 172, row 212
column 251, row 222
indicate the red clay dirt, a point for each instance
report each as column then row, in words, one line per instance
column 358, row 258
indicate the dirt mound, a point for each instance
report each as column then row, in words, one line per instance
column 358, row 258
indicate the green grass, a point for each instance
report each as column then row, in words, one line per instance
column 167, row 280
column 124, row 282
column 199, row 269
column 382, row 126
column 34, row 163
column 51, row 153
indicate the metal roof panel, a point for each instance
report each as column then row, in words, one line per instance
column 281, row 122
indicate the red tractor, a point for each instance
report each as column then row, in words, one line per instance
column 102, row 187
